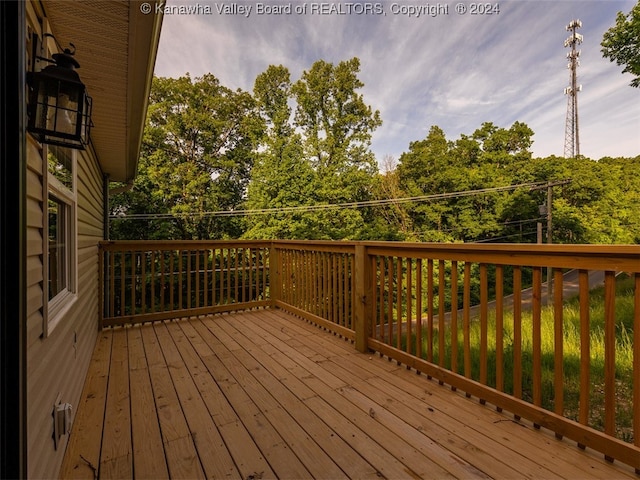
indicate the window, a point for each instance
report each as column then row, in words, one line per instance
column 57, row 246
column 61, row 232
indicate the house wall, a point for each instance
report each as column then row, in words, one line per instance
column 57, row 361
column 57, row 356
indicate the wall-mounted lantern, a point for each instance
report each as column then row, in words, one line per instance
column 59, row 107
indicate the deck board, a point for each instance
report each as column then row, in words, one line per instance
column 263, row 394
column 214, row 457
column 116, row 449
column 241, row 396
column 86, row 436
column 145, row 428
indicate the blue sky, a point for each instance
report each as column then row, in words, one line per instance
column 452, row 70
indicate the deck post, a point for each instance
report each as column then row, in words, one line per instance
column 102, row 287
column 362, row 307
column 275, row 277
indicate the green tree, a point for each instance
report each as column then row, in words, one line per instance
column 424, row 170
column 320, row 156
column 501, row 145
column 197, row 152
column 482, row 160
column 392, row 221
column 336, row 120
column 627, row 183
column 281, row 176
column 337, row 125
column 621, row 43
column 599, row 205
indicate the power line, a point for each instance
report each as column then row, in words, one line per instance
column 503, row 237
column 310, row 208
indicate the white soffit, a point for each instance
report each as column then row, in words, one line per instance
column 116, row 47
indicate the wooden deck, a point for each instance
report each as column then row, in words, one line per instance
column 263, row 394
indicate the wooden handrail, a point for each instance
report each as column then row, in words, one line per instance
column 469, row 315
column 406, row 304
column 147, row 281
column 317, row 282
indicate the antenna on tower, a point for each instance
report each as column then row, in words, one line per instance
column 571, row 136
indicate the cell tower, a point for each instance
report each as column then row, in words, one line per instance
column 571, row 136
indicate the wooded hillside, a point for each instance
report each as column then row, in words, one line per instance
column 220, row 164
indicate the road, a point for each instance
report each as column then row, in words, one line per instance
column 571, row 289
column 570, row 284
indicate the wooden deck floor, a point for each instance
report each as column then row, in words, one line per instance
column 263, row 394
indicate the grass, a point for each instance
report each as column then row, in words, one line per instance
column 624, row 313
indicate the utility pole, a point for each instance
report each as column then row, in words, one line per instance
column 549, row 237
column 549, row 216
column 571, row 135
column 546, row 211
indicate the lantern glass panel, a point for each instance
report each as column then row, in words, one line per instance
column 61, row 102
column 61, row 111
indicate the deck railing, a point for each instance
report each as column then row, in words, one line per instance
column 483, row 319
column 147, row 281
column 316, row 281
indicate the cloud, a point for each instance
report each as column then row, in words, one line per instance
column 454, row 71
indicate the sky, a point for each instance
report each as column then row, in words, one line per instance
column 447, row 67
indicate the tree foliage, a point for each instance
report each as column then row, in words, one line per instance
column 621, row 43
column 196, row 157
column 306, row 143
column 482, row 160
column 281, row 177
column 319, row 154
column 596, row 206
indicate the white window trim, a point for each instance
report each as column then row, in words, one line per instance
column 56, row 308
